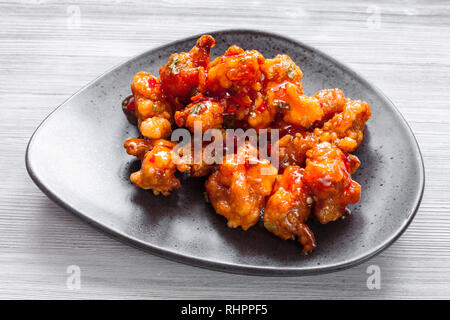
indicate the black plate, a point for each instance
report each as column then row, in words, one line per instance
column 76, row 157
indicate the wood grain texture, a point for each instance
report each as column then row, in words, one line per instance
column 45, row 56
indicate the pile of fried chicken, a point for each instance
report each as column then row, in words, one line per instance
column 242, row 89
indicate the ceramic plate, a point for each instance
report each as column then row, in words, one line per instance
column 76, row 157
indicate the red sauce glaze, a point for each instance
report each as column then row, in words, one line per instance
column 128, row 108
column 242, row 89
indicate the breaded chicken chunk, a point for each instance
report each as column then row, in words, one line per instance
column 182, row 74
column 238, row 190
column 207, row 112
column 153, row 111
column 289, row 207
column 190, row 163
column 331, row 101
column 278, row 73
column 346, row 128
column 158, row 168
column 138, row 147
column 292, row 149
column 327, row 174
column 284, row 93
column 238, row 74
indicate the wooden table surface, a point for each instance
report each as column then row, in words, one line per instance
column 49, row 49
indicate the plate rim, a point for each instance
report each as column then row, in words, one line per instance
column 237, row 268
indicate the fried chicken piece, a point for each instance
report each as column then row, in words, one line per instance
column 138, row 147
column 292, row 149
column 208, row 112
column 327, row 173
column 289, row 207
column 284, row 93
column 238, row 73
column 297, row 109
column 158, row 169
column 277, row 73
column 354, row 163
column 300, row 110
column 331, row 101
column 239, row 188
column 188, row 163
column 345, row 129
column 155, row 127
column 196, row 170
column 153, row 112
column 281, row 69
column 181, row 75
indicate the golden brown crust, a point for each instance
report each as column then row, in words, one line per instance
column 158, row 169
column 207, row 113
column 239, row 188
column 181, row 74
column 289, row 207
column 346, row 128
column 327, row 173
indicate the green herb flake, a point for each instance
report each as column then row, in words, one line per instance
column 196, row 108
column 173, row 65
column 270, row 226
column 282, row 104
column 291, row 73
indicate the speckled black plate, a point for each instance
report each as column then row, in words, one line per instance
column 76, row 157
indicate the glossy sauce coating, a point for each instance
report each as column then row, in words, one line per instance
column 328, row 174
column 289, row 207
column 158, row 170
column 184, row 71
column 241, row 89
column 207, row 112
column 239, row 188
